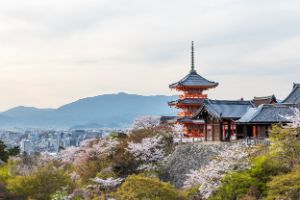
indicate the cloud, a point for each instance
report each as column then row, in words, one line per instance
column 55, row 51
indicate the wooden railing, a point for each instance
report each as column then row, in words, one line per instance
column 201, row 96
column 186, row 113
column 255, row 141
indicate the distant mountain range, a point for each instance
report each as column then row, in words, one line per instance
column 109, row 110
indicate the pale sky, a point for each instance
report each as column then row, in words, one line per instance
column 56, row 51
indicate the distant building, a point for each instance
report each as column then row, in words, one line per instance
column 264, row 100
column 26, row 146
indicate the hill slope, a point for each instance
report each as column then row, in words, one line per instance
column 109, row 110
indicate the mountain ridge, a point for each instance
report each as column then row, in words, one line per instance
column 107, row 110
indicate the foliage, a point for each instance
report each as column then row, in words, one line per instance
column 233, row 157
column 60, row 195
column 91, row 157
column 285, row 146
column 251, row 182
column 41, row 183
column 269, row 171
column 185, row 158
column 285, row 186
column 123, row 162
column 234, row 186
column 148, row 150
column 5, row 152
column 144, row 188
column 109, row 183
column 146, row 122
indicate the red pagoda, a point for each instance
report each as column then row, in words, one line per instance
column 192, row 87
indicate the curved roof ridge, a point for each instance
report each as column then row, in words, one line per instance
column 232, row 101
column 194, row 79
column 251, row 113
column 289, row 98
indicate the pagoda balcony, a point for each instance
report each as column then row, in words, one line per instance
column 199, row 96
column 193, row 133
column 186, row 113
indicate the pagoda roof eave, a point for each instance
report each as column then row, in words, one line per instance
column 179, row 86
column 193, row 80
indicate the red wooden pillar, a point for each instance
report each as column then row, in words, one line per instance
column 255, row 131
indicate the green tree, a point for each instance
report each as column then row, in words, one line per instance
column 145, row 188
column 235, row 185
column 5, row 153
column 41, row 183
column 285, row 187
column 285, row 145
column 13, row 151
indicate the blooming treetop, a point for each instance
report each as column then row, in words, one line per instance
column 109, row 183
column 178, row 133
column 146, row 122
column 209, row 177
column 88, row 149
column 148, row 150
column 295, row 120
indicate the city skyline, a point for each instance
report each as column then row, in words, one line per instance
column 56, row 52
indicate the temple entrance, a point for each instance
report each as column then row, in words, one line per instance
column 250, row 131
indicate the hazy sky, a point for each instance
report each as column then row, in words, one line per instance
column 56, row 51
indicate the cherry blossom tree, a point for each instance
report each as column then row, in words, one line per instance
column 109, row 183
column 148, row 150
column 233, row 157
column 294, row 121
column 89, row 149
column 178, row 133
column 146, row 122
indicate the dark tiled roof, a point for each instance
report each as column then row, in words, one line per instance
column 193, row 79
column 168, row 119
column 226, row 109
column 187, row 101
column 294, row 96
column 271, row 113
column 264, row 100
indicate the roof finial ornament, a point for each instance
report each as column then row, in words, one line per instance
column 192, row 64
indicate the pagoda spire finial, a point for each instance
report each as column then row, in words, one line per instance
column 192, row 61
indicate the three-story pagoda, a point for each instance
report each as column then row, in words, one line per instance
column 192, row 88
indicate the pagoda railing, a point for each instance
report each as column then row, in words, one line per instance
column 186, row 113
column 199, row 96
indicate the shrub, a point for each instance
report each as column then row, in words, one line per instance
column 41, row 183
column 285, row 146
column 186, row 158
column 286, row 186
column 235, row 185
column 5, row 153
column 145, row 188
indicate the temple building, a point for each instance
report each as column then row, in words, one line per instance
column 264, row 100
column 220, row 117
column 226, row 120
column 294, row 96
column 192, row 88
column 259, row 120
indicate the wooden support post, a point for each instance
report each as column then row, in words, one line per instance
column 205, row 131
column 229, row 131
column 213, row 131
column 254, row 131
column 221, row 131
